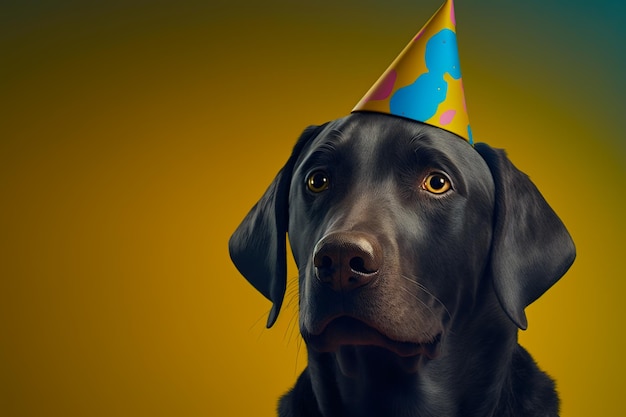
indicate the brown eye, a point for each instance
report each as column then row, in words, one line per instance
column 436, row 183
column 317, row 182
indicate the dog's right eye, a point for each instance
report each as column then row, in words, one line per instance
column 317, row 182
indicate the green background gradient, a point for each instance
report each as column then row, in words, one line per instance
column 135, row 135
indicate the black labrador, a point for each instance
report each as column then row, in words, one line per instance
column 417, row 255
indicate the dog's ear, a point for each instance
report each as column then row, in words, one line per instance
column 258, row 247
column 531, row 249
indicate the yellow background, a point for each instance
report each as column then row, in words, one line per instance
column 135, row 135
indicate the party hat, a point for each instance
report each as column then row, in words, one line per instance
column 424, row 82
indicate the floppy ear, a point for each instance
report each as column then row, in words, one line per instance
column 531, row 249
column 258, row 247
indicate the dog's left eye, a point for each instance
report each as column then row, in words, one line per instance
column 436, row 183
column 317, row 182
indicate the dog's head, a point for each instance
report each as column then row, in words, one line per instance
column 396, row 227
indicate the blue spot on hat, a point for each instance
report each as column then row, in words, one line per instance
column 420, row 100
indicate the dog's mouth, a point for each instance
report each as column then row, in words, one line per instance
column 347, row 331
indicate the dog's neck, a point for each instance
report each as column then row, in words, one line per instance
column 474, row 366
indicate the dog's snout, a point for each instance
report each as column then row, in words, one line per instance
column 347, row 260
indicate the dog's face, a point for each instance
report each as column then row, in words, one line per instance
column 390, row 225
column 398, row 229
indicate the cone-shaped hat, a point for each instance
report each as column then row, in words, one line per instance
column 424, row 82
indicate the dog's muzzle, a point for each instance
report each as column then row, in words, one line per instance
column 346, row 262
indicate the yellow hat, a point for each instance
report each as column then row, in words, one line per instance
column 424, row 82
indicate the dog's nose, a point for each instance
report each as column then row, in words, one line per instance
column 347, row 260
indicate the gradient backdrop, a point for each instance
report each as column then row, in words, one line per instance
column 135, row 135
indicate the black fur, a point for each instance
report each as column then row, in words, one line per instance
column 410, row 301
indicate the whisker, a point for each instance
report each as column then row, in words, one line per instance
column 291, row 327
column 256, row 322
column 420, row 301
column 425, row 290
column 293, row 303
column 292, row 298
column 299, row 343
column 292, row 333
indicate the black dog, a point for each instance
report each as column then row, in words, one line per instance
column 417, row 255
